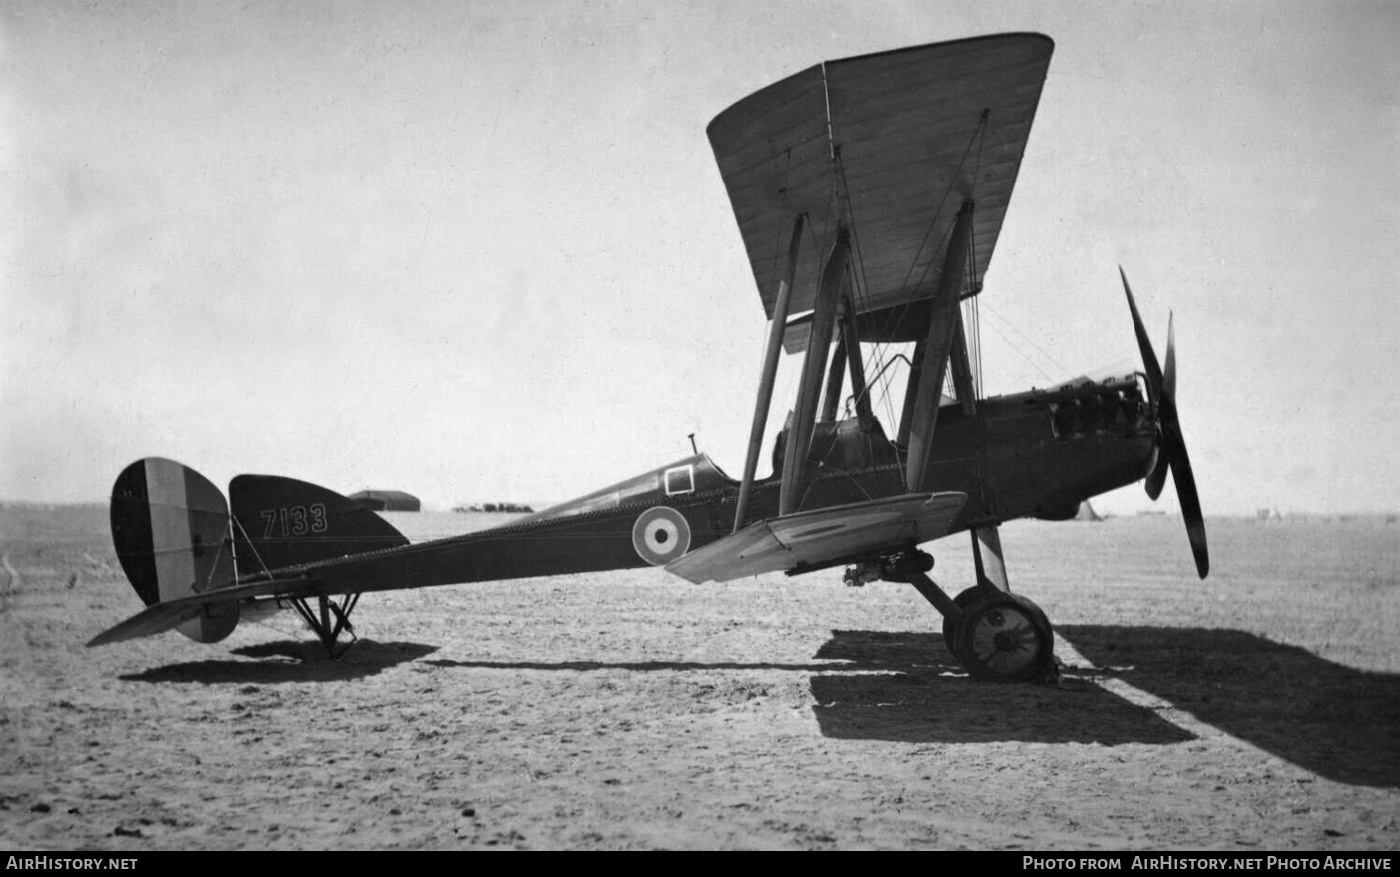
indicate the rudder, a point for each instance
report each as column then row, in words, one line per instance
column 170, row 528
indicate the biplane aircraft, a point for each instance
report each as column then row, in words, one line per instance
column 869, row 193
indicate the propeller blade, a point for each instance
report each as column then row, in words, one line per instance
column 1157, row 477
column 1149, row 358
column 1155, row 386
column 1169, row 370
column 1188, row 497
column 1171, row 451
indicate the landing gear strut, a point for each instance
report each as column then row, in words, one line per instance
column 332, row 620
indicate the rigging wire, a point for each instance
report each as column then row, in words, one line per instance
column 975, row 282
column 779, row 250
column 977, row 138
column 860, row 281
column 856, row 275
column 1029, row 341
column 969, row 314
column 881, row 385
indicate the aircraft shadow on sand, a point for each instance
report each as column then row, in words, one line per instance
column 918, row 692
column 1338, row 722
column 635, row 666
column 925, row 695
column 289, row 661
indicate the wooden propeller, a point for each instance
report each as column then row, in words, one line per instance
column 1171, row 445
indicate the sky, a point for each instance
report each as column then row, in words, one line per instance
column 481, row 252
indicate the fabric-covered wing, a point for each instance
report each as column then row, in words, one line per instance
column 822, row 536
column 894, row 142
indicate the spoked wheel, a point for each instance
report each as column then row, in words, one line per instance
column 1004, row 638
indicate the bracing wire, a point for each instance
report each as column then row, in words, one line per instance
column 1028, row 341
column 881, row 385
column 977, row 138
column 974, row 282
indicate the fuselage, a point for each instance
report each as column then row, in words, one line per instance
column 1034, row 454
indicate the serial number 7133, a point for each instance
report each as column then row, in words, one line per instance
column 297, row 520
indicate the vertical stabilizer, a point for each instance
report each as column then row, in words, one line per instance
column 284, row 522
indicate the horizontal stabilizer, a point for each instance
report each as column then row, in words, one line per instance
column 150, row 621
column 823, row 537
column 217, row 605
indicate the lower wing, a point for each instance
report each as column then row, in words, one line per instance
column 823, row 537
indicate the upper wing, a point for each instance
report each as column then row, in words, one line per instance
column 894, row 142
column 822, row 536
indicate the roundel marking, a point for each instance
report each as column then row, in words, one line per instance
column 660, row 535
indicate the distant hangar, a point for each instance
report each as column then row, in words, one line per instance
column 387, row 501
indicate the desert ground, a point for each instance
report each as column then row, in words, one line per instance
column 1256, row 711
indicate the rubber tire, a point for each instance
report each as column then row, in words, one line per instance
column 1005, row 638
column 963, row 600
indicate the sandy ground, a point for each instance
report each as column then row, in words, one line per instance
column 1257, row 711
